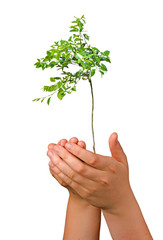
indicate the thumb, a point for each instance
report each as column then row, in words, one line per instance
column 116, row 149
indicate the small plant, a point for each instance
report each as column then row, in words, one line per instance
column 75, row 51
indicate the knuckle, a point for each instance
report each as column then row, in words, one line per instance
column 59, row 164
column 93, row 190
column 62, row 183
column 93, row 159
column 113, row 168
column 69, row 181
column 77, row 150
column 80, row 168
column 104, row 181
column 64, row 155
column 72, row 175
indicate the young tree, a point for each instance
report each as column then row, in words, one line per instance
column 76, row 51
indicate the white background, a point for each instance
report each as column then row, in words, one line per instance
column 128, row 100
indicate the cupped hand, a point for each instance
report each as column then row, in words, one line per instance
column 102, row 181
column 62, row 143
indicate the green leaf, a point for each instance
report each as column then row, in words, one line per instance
column 52, row 79
column 59, row 84
column 54, row 87
column 83, row 53
column 86, row 36
column 63, row 86
column 106, row 53
column 77, row 39
column 52, row 64
column 103, row 67
column 93, row 72
column 58, row 56
column 81, row 26
column 36, row 99
column 75, row 35
column 74, row 26
column 102, row 73
column 37, row 64
column 73, row 88
column 48, row 101
column 74, row 30
column 60, row 94
column 50, row 88
column 70, row 39
column 42, row 100
column 43, row 66
column 96, row 49
column 107, row 59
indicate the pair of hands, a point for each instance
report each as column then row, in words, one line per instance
column 102, row 181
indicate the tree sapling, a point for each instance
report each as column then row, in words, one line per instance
column 76, row 51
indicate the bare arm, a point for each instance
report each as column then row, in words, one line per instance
column 103, row 182
column 82, row 220
column 128, row 223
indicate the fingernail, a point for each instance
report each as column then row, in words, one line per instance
column 62, row 144
column 68, row 145
column 56, row 148
column 50, row 154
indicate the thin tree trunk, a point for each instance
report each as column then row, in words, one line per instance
column 92, row 115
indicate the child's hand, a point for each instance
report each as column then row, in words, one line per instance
column 62, row 143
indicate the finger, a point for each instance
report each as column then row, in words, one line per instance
column 116, row 149
column 55, row 175
column 77, row 164
column 82, row 144
column 51, row 145
column 69, row 172
column 80, row 190
column 94, row 160
column 60, row 181
column 74, row 140
column 62, row 142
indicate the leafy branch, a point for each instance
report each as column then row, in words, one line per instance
column 74, row 51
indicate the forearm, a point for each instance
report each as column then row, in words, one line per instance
column 129, row 223
column 82, row 220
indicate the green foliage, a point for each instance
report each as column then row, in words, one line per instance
column 48, row 101
column 93, row 72
column 74, row 51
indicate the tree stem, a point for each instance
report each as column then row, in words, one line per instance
column 92, row 114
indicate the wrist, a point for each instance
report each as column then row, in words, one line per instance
column 127, row 222
column 76, row 199
column 123, row 205
column 85, row 217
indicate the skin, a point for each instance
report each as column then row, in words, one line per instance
column 62, row 143
column 103, row 182
column 90, row 217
